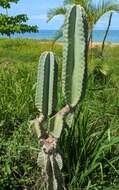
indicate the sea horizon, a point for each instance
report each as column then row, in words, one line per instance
column 98, row 35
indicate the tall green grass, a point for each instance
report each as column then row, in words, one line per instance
column 90, row 147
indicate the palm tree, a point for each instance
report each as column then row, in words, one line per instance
column 94, row 11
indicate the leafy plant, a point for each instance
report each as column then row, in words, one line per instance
column 17, row 24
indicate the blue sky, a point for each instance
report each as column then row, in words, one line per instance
column 37, row 13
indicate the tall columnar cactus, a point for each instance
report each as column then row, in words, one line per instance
column 73, row 83
column 74, row 55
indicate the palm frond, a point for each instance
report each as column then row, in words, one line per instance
column 58, row 35
column 69, row 2
column 84, row 3
column 94, row 10
column 55, row 12
column 104, row 7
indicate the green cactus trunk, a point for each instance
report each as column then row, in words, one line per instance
column 74, row 55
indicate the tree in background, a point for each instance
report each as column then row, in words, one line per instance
column 13, row 24
column 94, row 10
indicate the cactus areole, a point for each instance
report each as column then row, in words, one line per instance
column 73, row 86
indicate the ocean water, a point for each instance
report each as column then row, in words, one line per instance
column 98, row 35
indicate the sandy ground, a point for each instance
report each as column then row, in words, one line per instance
column 93, row 45
column 98, row 44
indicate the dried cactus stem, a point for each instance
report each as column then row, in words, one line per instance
column 64, row 111
column 52, row 164
column 36, row 125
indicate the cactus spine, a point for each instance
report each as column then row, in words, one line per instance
column 74, row 55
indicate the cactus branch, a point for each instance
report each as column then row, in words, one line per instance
column 75, row 55
column 59, row 121
column 46, row 88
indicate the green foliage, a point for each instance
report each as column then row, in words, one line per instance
column 6, row 4
column 4, row 19
column 17, row 159
column 92, row 146
column 18, row 149
column 14, row 24
column 56, row 11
